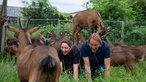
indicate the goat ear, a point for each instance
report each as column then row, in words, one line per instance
column 34, row 29
column 20, row 23
column 13, row 29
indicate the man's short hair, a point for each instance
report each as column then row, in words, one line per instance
column 96, row 37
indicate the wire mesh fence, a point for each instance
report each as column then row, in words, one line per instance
column 119, row 30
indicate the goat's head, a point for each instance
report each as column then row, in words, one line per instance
column 12, row 41
column 51, row 34
column 23, row 31
column 2, row 20
column 63, row 33
column 11, row 49
column 105, row 33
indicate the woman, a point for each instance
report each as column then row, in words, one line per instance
column 69, row 55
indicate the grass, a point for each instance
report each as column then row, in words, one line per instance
column 8, row 73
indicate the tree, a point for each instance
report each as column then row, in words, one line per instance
column 2, row 29
column 40, row 9
column 114, row 9
column 140, row 7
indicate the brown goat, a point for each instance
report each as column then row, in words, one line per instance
column 138, row 51
column 119, row 44
column 11, row 49
column 36, row 41
column 35, row 64
column 91, row 19
column 143, row 49
column 121, row 56
column 2, row 20
column 13, row 43
column 80, row 40
column 63, row 35
column 54, row 42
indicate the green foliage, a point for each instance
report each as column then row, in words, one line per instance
column 136, row 36
column 114, row 9
column 40, row 9
column 55, row 29
column 140, row 8
column 66, row 16
column 125, row 10
column 66, row 27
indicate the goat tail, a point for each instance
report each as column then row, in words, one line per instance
column 48, row 64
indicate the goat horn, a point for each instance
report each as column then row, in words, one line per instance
column 108, row 28
column 39, row 25
column 20, row 23
column 26, row 25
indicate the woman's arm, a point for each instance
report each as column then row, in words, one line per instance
column 107, row 66
column 75, row 71
column 61, row 66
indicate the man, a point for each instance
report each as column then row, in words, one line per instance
column 96, row 56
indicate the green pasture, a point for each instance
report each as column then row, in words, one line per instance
column 8, row 73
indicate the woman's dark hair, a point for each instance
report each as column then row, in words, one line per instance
column 68, row 42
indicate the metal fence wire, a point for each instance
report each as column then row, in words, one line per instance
column 118, row 29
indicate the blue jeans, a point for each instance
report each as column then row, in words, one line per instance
column 97, row 71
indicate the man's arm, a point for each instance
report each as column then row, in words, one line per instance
column 87, row 68
column 107, row 66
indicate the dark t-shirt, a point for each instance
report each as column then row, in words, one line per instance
column 69, row 60
column 96, row 59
